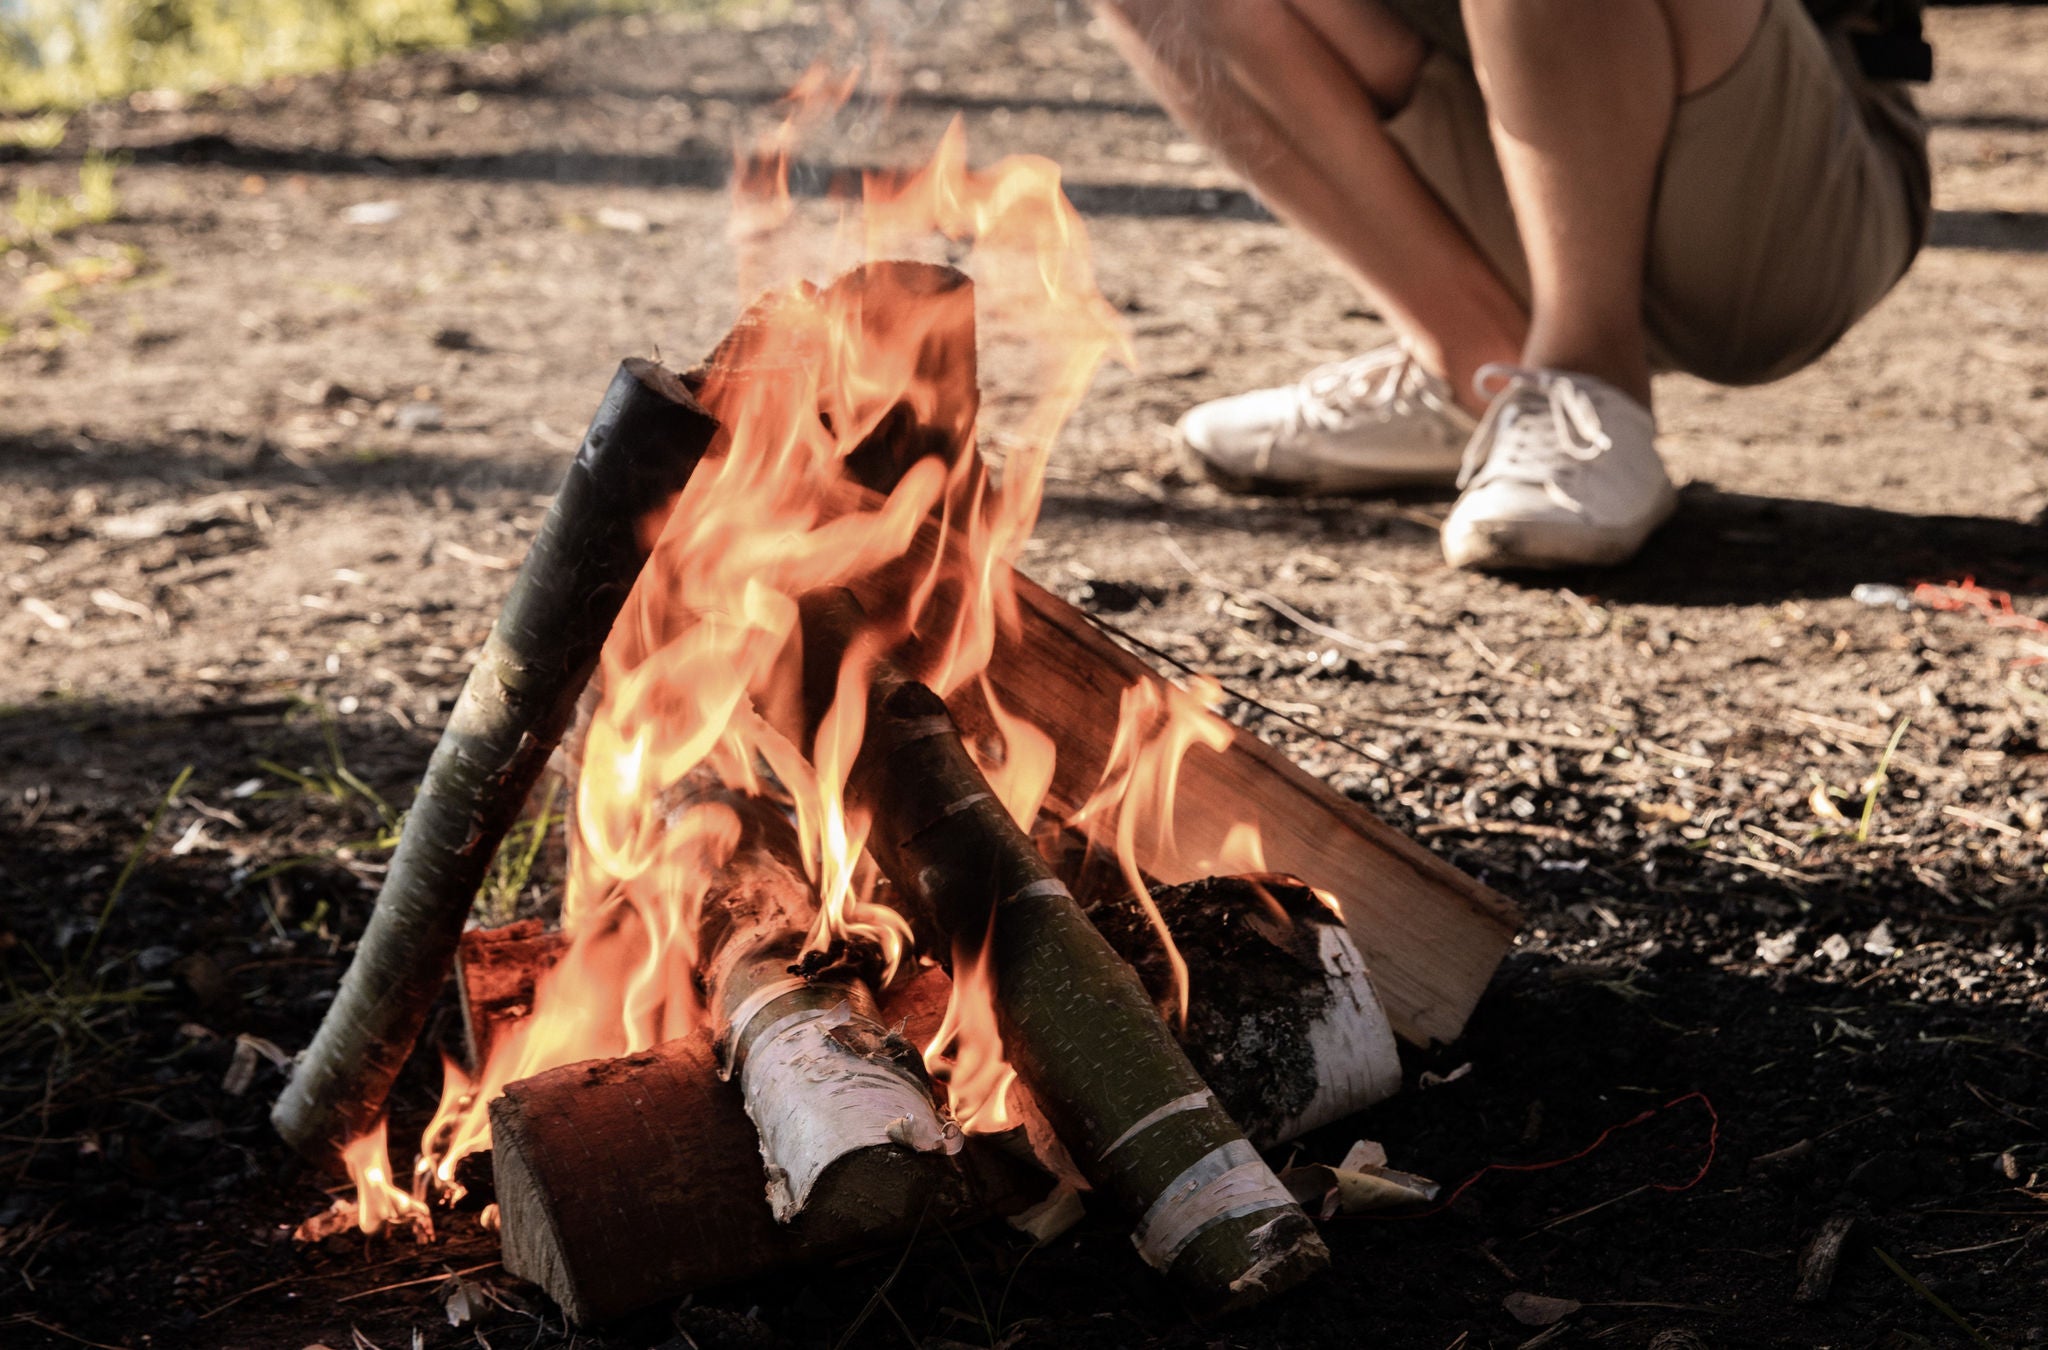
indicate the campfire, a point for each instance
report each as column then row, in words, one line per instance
column 898, row 893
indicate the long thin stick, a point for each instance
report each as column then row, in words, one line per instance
column 1075, row 1022
column 646, row 440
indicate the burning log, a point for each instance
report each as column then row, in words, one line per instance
column 642, row 446
column 1075, row 1022
column 621, row 1182
column 496, row 970
column 850, row 1137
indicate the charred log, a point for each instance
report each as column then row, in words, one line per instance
column 849, row 1135
column 1283, row 1021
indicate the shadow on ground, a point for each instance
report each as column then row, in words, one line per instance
column 212, row 460
column 1885, row 1082
column 1737, row 548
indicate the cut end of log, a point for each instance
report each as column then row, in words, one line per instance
column 623, row 1182
column 1289, row 1251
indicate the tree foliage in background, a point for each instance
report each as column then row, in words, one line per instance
column 67, row 52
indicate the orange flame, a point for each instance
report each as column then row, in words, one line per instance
column 379, row 1201
column 705, row 662
column 702, row 662
column 1157, row 726
column 966, row 1052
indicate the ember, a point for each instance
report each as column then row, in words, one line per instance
column 830, row 723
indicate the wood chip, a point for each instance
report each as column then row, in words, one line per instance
column 1823, row 1255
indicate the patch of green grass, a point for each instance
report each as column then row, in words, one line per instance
column 334, row 781
column 74, row 997
column 36, row 219
column 34, row 133
column 512, row 868
column 64, row 53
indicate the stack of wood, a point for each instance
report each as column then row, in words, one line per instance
column 802, row 1124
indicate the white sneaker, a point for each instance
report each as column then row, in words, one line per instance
column 1376, row 421
column 1562, row 472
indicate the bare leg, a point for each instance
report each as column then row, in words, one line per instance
column 1581, row 95
column 1292, row 93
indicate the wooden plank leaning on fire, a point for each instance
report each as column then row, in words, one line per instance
column 1431, row 935
column 644, row 443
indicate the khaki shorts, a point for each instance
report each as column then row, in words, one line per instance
column 1793, row 194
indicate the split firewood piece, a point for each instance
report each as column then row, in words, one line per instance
column 1075, row 1022
column 643, row 445
column 626, row 1181
column 1282, row 1018
column 1431, row 935
column 849, row 1134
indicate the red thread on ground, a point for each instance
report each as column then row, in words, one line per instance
column 1713, row 1148
column 1956, row 597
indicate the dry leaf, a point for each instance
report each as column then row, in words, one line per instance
column 1539, row 1310
column 1051, row 1216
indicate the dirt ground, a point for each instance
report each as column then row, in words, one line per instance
column 268, row 464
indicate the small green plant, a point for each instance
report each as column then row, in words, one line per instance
column 75, row 998
column 512, row 868
column 1876, row 784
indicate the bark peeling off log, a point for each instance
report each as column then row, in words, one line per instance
column 849, row 1133
column 830, row 1094
column 641, row 448
column 1283, row 1021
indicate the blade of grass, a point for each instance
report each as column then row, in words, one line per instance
column 1877, row 780
column 156, row 819
column 1933, row 1300
column 881, row 1294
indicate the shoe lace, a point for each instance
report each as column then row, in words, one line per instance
column 1517, row 440
column 1376, row 384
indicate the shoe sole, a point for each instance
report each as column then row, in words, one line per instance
column 1542, row 546
column 1256, row 485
